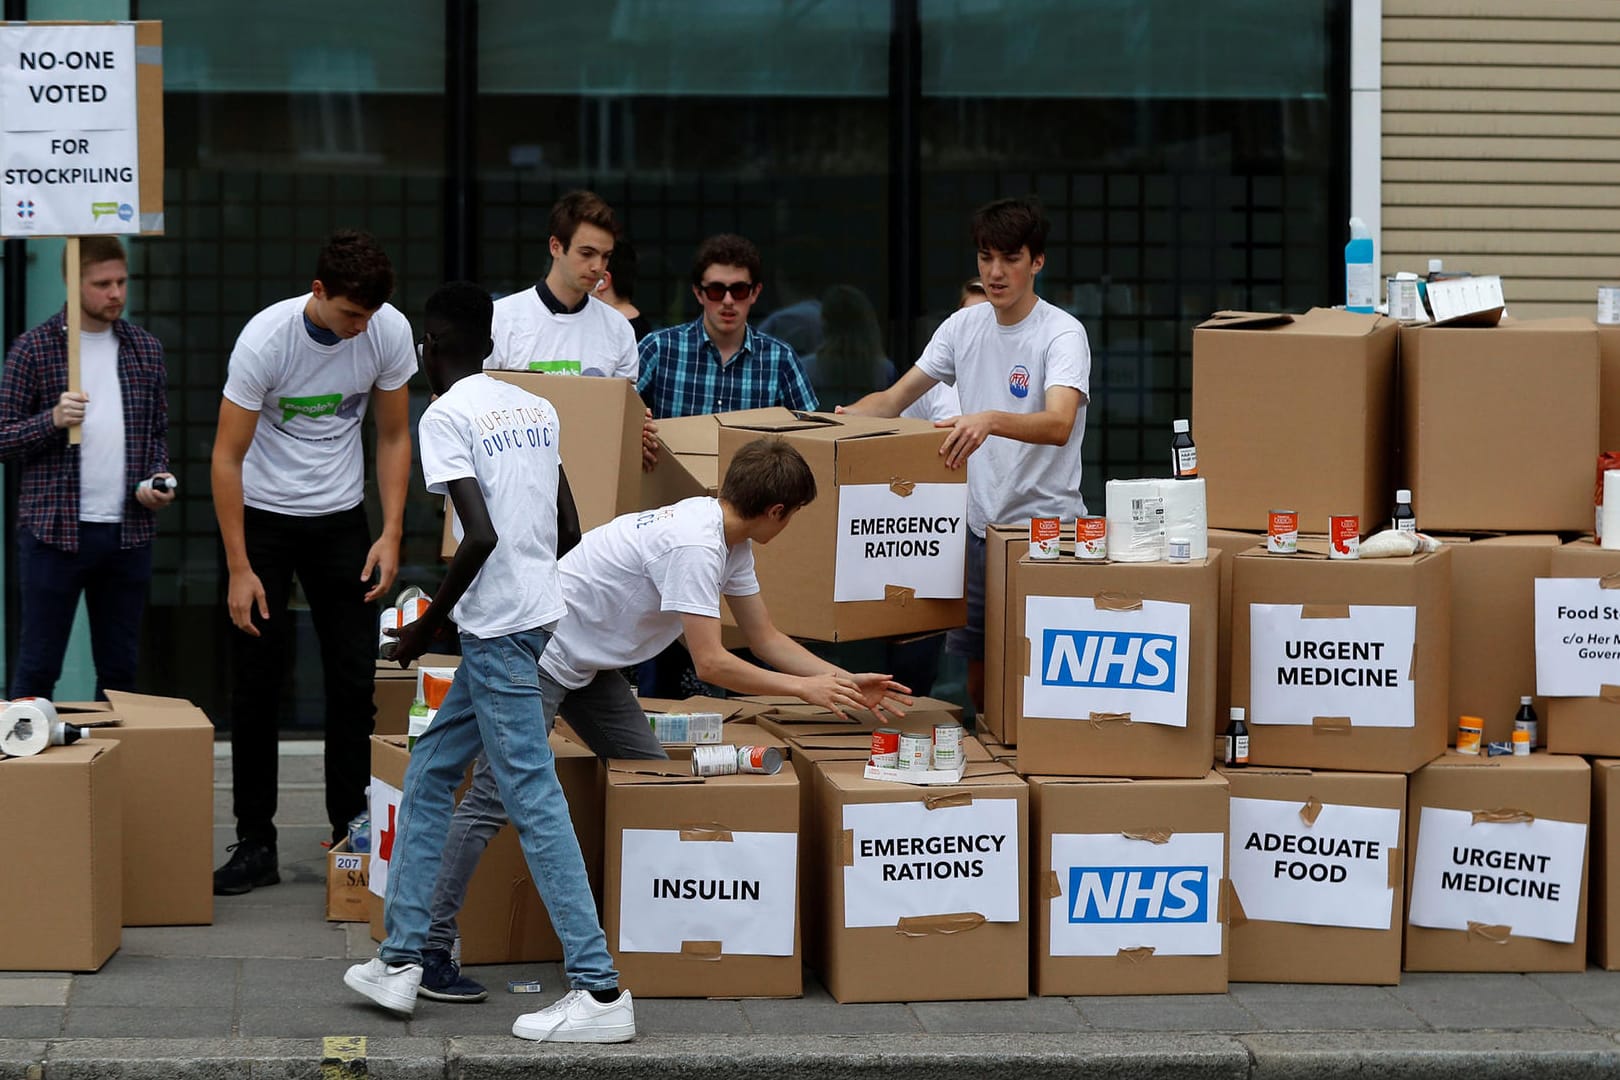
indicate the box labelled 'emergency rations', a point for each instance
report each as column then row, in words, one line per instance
column 1496, row 863
column 702, row 880
column 599, row 422
column 1129, row 885
column 1493, row 621
column 1260, row 447
column 1116, row 666
column 394, row 690
column 925, row 889
column 1317, row 876
column 1603, row 913
column 1474, row 456
column 1342, row 664
column 879, row 553
column 64, row 861
column 1577, row 649
column 502, row 920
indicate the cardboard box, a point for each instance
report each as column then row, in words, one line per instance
column 688, row 462
column 1604, row 912
column 1325, row 446
column 348, row 892
column 64, row 857
column 1587, row 725
column 923, row 927
column 1138, row 718
column 394, row 690
column 503, row 920
column 702, row 885
column 1609, row 381
column 600, row 420
column 1330, row 727
column 1479, row 807
column 1493, row 627
column 1323, row 846
column 166, row 755
column 1475, row 456
column 1129, row 885
column 1005, row 545
column 788, row 721
column 1231, row 543
column 871, row 469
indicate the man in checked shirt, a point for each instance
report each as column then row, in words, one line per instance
column 85, row 517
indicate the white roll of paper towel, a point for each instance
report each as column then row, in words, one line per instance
column 1185, row 516
column 1609, row 513
column 25, row 727
column 1144, row 514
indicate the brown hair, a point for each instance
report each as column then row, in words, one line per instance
column 580, row 208
column 354, row 266
column 726, row 249
column 764, row 473
column 1009, row 224
column 94, row 249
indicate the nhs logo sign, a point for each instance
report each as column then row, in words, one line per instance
column 1085, row 660
column 1138, row 894
column 1122, row 892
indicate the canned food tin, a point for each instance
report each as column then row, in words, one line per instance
column 1344, row 536
column 947, row 746
column 759, row 759
column 1091, row 538
column 1043, row 538
column 386, row 621
column 916, row 751
column 714, row 760
column 1282, row 532
column 886, row 747
column 413, row 609
column 1608, row 305
column 1404, row 303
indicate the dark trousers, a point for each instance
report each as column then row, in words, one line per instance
column 114, row 582
column 327, row 553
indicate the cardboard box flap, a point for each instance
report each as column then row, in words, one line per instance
column 621, row 771
column 728, row 710
column 696, row 436
column 154, row 712
column 852, row 741
column 1244, row 320
column 775, row 418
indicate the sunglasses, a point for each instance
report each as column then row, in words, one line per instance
column 716, row 291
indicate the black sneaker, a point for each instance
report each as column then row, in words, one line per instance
column 442, row 980
column 250, row 866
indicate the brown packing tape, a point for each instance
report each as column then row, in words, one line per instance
column 1141, row 954
column 900, row 487
column 1098, row 719
column 1151, row 836
column 712, row 831
column 946, row 799
column 1397, row 868
column 1411, row 670
column 1330, row 725
column 1610, row 581
column 1496, row 935
column 923, row 925
column 1053, row 888
column 701, row 950
column 1235, row 915
column 1610, row 693
column 1503, row 815
column 1117, row 601
column 1324, row 611
column 899, row 594
column 1310, row 811
column 846, row 848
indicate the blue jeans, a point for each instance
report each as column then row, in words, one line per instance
column 498, row 703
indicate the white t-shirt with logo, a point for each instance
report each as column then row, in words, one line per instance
column 505, row 438
column 1010, row 368
column 596, row 340
column 101, row 456
column 306, row 457
column 629, row 581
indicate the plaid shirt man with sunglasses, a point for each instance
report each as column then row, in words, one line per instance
column 718, row 363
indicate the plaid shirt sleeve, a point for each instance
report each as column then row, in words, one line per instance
column 26, row 428
column 793, row 388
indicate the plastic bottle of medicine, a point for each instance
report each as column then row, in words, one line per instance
column 1403, row 519
column 1525, row 719
column 1183, row 454
column 1470, row 730
column 1237, row 740
column 1521, row 743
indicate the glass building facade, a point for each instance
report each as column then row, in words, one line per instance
column 1192, row 157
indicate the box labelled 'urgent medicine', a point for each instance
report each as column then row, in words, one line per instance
column 1496, row 863
column 926, row 888
column 1342, row 664
column 1116, row 669
column 1317, row 874
column 1577, row 634
column 879, row 553
column 1129, row 885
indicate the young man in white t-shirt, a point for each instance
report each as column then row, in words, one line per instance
column 288, row 483
column 633, row 586
column 560, row 325
column 492, row 447
column 1023, row 370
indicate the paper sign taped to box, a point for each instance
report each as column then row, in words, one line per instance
column 914, row 541
column 1358, row 667
column 1577, row 637
column 1332, row 873
column 1524, row 875
column 1084, row 660
column 741, row 893
column 1116, row 892
column 384, row 815
column 907, row 860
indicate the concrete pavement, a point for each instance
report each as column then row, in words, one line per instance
column 260, row 994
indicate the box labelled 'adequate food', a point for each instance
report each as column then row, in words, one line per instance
column 1129, row 885
column 1317, row 873
column 925, row 890
column 1496, row 863
column 1342, row 664
column 879, row 553
column 1116, row 666
column 1577, row 635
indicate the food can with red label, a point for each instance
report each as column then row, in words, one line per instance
column 1091, row 538
column 886, row 747
column 1344, row 536
column 1282, row 532
column 1043, row 538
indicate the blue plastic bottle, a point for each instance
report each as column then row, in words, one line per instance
column 1359, row 294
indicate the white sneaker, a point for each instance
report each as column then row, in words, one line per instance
column 578, row 1017
column 393, row 986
